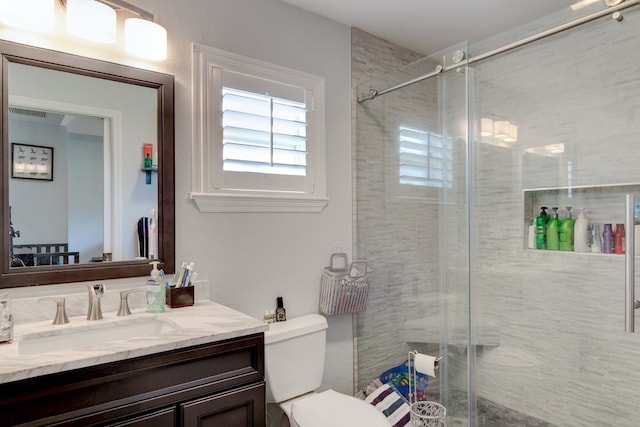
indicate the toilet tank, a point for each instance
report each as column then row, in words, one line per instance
column 294, row 356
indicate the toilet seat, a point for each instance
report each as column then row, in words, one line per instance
column 334, row 409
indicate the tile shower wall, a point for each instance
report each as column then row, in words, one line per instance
column 563, row 356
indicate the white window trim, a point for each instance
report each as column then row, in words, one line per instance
column 210, row 199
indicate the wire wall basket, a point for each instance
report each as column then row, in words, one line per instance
column 344, row 288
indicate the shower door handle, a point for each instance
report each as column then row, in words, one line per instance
column 629, row 265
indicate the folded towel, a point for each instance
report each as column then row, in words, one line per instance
column 392, row 404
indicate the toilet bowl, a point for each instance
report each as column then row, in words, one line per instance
column 330, row 408
column 294, row 363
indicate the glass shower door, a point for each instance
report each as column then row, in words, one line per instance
column 411, row 194
column 556, row 125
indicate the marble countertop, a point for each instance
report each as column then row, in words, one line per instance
column 204, row 322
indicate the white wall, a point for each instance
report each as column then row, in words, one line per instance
column 38, row 207
column 250, row 259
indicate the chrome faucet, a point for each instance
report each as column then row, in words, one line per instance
column 95, row 294
column 61, row 315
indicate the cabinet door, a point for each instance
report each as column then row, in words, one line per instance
column 163, row 418
column 244, row 407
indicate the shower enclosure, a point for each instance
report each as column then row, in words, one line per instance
column 455, row 155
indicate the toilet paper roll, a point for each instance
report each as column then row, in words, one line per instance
column 425, row 364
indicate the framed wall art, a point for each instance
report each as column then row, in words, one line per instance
column 31, row 162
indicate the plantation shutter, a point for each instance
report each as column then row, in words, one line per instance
column 264, row 127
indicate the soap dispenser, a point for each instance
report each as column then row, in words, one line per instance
column 155, row 291
column 581, row 233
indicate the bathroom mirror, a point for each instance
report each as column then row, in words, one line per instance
column 76, row 212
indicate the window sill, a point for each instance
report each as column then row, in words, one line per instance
column 229, row 203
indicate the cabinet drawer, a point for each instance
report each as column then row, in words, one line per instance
column 243, row 407
column 163, row 418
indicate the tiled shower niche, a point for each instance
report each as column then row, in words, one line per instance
column 602, row 204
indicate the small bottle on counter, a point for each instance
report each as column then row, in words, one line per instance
column 281, row 313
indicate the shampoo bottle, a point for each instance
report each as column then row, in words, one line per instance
column 619, row 239
column 553, row 240
column 541, row 228
column 581, row 233
column 531, row 235
column 155, row 291
column 607, row 239
column 565, row 232
column 596, row 244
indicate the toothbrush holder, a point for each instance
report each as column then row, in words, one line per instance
column 180, row 297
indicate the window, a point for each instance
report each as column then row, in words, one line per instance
column 258, row 137
column 425, row 159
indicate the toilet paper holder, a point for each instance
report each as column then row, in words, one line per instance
column 420, row 363
column 424, row 413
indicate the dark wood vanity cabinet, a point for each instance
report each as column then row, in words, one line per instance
column 218, row 384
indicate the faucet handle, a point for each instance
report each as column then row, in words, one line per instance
column 61, row 314
column 123, row 310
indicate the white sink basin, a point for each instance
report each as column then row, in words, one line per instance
column 98, row 334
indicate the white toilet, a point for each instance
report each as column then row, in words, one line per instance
column 294, row 361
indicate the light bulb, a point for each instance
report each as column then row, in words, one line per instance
column 145, row 39
column 30, row 15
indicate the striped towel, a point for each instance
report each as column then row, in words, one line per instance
column 392, row 404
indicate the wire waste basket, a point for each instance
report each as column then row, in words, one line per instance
column 424, row 413
column 344, row 288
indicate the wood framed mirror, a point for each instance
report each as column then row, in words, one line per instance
column 70, row 215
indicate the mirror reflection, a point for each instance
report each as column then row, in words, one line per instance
column 78, row 189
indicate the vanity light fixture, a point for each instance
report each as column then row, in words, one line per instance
column 30, row 15
column 96, row 20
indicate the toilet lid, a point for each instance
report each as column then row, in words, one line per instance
column 334, row 409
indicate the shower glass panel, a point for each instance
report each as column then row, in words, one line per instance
column 411, row 225
column 562, row 357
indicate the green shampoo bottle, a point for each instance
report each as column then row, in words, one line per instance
column 541, row 228
column 565, row 233
column 553, row 239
